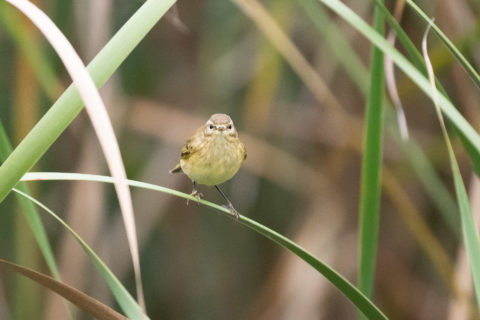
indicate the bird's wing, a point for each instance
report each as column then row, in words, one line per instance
column 192, row 144
column 188, row 148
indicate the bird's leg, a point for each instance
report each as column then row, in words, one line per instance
column 195, row 193
column 229, row 205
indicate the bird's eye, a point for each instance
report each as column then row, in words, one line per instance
column 211, row 127
column 229, row 127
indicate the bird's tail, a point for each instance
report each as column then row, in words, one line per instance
column 177, row 169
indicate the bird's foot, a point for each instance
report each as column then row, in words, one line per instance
column 197, row 195
column 232, row 210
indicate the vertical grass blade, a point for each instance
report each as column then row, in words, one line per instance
column 30, row 212
column 371, row 168
column 26, row 42
column 470, row 233
column 344, row 52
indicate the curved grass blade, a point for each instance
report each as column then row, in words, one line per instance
column 94, row 307
column 447, row 107
column 100, row 119
column 417, row 59
column 62, row 113
column 369, row 211
column 461, row 58
column 469, row 230
column 363, row 303
column 349, row 290
column 124, row 299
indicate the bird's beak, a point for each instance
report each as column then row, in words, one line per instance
column 221, row 128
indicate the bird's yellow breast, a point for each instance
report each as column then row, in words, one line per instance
column 215, row 161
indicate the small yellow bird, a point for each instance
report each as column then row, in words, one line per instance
column 212, row 155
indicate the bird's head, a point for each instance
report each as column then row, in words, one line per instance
column 220, row 124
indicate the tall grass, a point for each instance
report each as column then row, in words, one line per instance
column 369, row 217
column 303, row 117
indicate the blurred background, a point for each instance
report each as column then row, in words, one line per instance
column 300, row 114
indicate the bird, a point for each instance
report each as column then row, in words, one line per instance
column 212, row 155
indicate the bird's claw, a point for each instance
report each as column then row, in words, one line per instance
column 197, row 195
column 232, row 210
